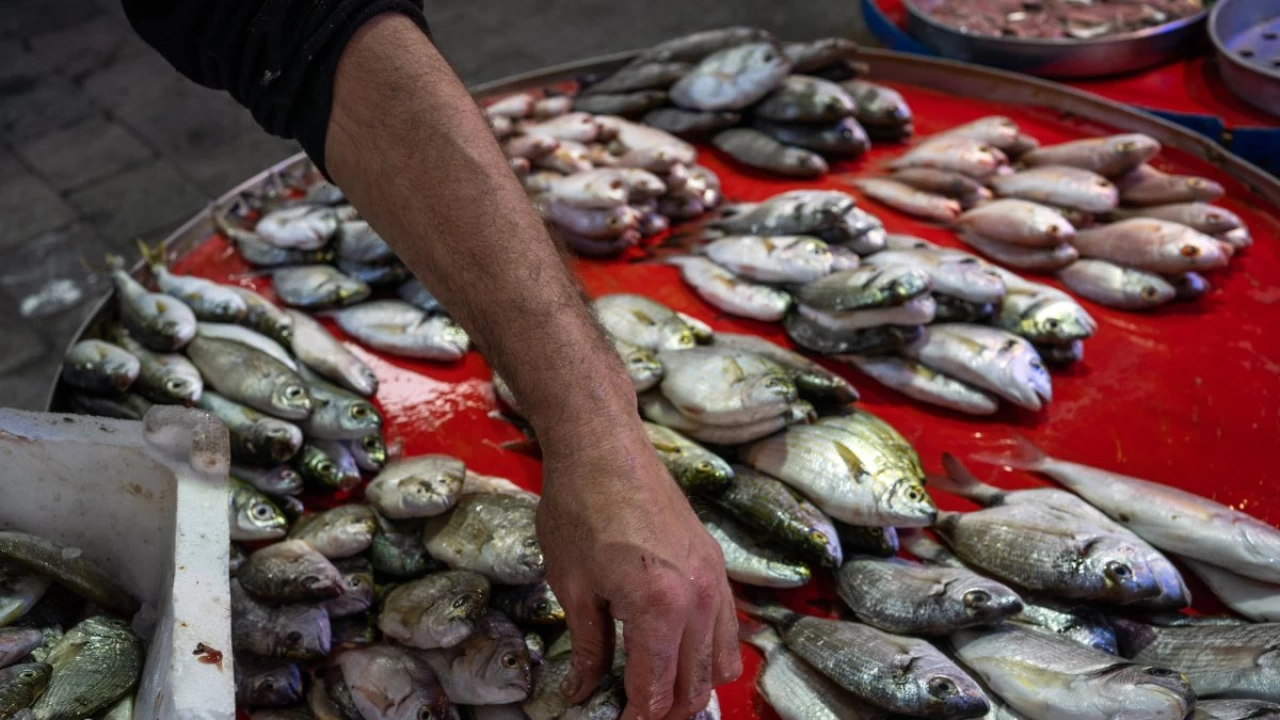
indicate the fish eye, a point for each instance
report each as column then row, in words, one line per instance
column 459, row 601
column 175, row 385
column 1149, row 292
column 942, row 687
column 310, row 581
column 1162, row 672
column 293, row 392
column 768, row 56
column 974, row 598
column 1051, row 324
column 531, row 543
column 914, row 495
column 261, row 511
column 359, row 411
column 1102, row 182
column 776, row 382
column 1189, row 251
column 1053, row 231
column 818, row 536
column 542, row 607
column 1119, row 571
column 294, row 638
column 705, row 467
column 510, row 660
column 28, row 674
column 425, row 713
column 326, row 468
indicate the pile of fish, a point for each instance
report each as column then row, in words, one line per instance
column 1056, row 19
column 67, row 651
column 1116, row 230
column 602, row 181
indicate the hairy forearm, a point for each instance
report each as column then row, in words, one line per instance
column 412, row 151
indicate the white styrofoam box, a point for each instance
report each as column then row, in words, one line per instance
column 148, row 502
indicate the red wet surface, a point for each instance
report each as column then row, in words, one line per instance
column 1188, row 395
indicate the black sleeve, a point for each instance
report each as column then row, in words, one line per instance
column 276, row 57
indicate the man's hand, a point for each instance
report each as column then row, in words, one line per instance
column 622, row 543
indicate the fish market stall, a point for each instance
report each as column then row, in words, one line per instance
column 1181, row 393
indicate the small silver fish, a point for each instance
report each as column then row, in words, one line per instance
column 772, row 259
column 289, row 571
column 398, row 328
column 339, row 532
column 640, row 75
column 988, row 358
column 1148, row 186
column 516, row 106
column 797, row 691
column 805, row 99
column 162, row 322
column 300, row 227
column 489, row 667
column 579, row 127
column 880, row 339
column 492, row 534
column 1109, row 156
column 1199, row 216
column 756, row 149
column 900, row 596
column 648, row 147
column 596, row 224
column 656, row 408
column 951, row 274
column 530, row 146
column 1259, row 601
column 336, row 413
column 390, row 682
column 812, row 380
column 252, row 516
column 795, row 212
column 255, row 438
column 995, row 130
column 690, row 123
column 865, row 287
column 209, row 300
column 100, row 367
column 1018, row 222
column 943, row 182
column 439, row 610
column 277, row 480
column 294, row 631
column 315, row 287
column 695, row 468
column 844, row 137
column 1040, row 259
column 907, row 199
column 416, row 294
column 957, row 154
column 251, row 377
column 749, row 562
column 250, row 337
column 1060, row 185
column 1235, row 710
column 917, row 381
column 95, row 664
column 720, row 386
column 265, row 317
column 416, row 487
column 916, row 311
column 1219, row 661
column 629, row 104
column 643, row 322
column 1157, row 246
column 356, row 241
column 1115, row 286
column 1041, row 313
column 320, row 351
column 732, row 79
column 731, row 293
column 878, row 105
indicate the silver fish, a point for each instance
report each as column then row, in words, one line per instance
column 369, row 452
column 702, row 332
column 843, row 137
column 1254, row 599
column 416, row 487
column 265, row 317
column 955, row 275
column 1235, row 710
column 277, row 480
column 247, row 336
column 577, row 127
column 209, row 300
column 757, row 149
column 1048, row 678
column 568, row 158
column 957, row 154
column 517, row 106
column 639, row 75
column 17, row 643
column 906, row 198
column 1018, row 222
column 877, row 104
column 95, row 664
column 489, row 667
column 643, row 322
column 719, row 386
column 1171, row 519
column 658, row 409
column 1239, row 238
column 805, row 99
column 1040, row 313
column 252, row 516
column 732, row 79
column 695, row 468
column 1109, row 156
column 398, row 328
column 1199, row 216
column 900, row 596
column 857, row 469
column 337, row 414
column 530, row 146
column 1115, row 286
column 439, row 610
column 356, row 241
column 328, row 464
column 258, row 252
column 595, row 224
column 301, row 227
column 991, row 359
column 648, row 147
column 250, row 376
column 255, row 438
column 1041, row 259
column 628, row 104
column 315, row 287
column 917, row 381
column 1083, row 624
column 944, row 182
column 881, row 339
column 294, row 632
column 416, row 294
column 339, row 532
column 1219, row 661
column 492, row 534
column 748, row 561
column 397, row 550
column 1060, row 185
column 375, row 276
column 289, row 571
column 916, row 311
column 601, row 188
column 729, row 292
column 690, row 123
column 100, row 367
column 811, row 379
column 772, row 259
column 320, row 351
column 391, row 683
column 266, row 683
column 865, row 287
column 695, row 46
column 20, row 685
column 161, row 322
column 995, row 130
column 816, row 54
column 20, row 590
column 1157, row 246
column 795, row 212
column 896, row 673
column 796, row 691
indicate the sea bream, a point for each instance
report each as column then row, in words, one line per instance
column 720, row 386
column 988, row 358
column 1237, row 661
column 732, row 79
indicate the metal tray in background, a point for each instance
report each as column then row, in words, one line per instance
column 1246, row 34
column 1106, row 55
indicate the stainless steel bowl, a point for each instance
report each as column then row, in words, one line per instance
column 1106, row 55
column 1246, row 34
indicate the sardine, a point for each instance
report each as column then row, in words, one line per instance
column 907, row 199
column 255, row 438
column 266, row 683
column 492, row 534
column 990, row 359
column 1219, row 661
column 439, row 610
column 161, row 322
column 100, row 367
column 491, row 666
column 162, row 377
column 289, row 572
column 369, row 452
column 294, row 632
column 578, row 127
column 1042, row 259
column 732, row 79
column 730, row 293
column 340, row 532
column 529, row 604
column 1254, row 599
column 865, row 287
column 67, row 566
column 648, row 147
column 642, row 322
column 812, row 380
column 265, row 317
column 719, row 386
column 758, row 150
column 749, row 562
column 918, row 381
column 94, row 665
column 398, row 328
column 328, row 464
column 1044, row 677
column 899, row 674
column 389, row 682
column 797, row 691
column 1060, row 185
column 772, row 259
column 260, row 253
column 1109, row 156
column 1157, row 246
column 416, row 487
column 517, row 106
column 250, row 337
column 1018, row 222
column 252, row 516
column 300, row 227
column 878, row 105
column 842, row 137
column 795, row 212
column 695, row 468
column 857, row 469
column 658, row 409
column 900, row 596
column 1115, row 286
column 955, row 275
column 250, row 376
column 882, row 339
column 20, row 685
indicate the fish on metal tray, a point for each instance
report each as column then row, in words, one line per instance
column 733, row 78
column 301, row 227
column 916, row 311
column 695, row 468
column 747, row 560
column 290, row 572
column 812, row 380
column 642, row 322
column 1115, row 286
column 640, row 75
column 1199, row 216
column 953, row 274
column 995, row 130
column 729, row 292
column 338, row 414
column 690, row 123
column 1219, row 661
column 877, row 104
column 720, row 386
column 252, row 377
column 816, row 54
column 398, row 328
column 256, row 439
column 989, row 358
column 874, row 340
column 865, row 287
column 759, row 150
column 1259, row 601
column 320, row 351
column 1037, row 259
column 252, row 516
column 210, row 301
column 100, row 367
column 918, row 381
column 316, row 287
column 250, row 337
column 1157, row 246
column 806, row 99
column 627, row 104
column 797, row 691
column 957, row 154
column 658, row 409
column 1109, row 156
column 772, row 259
column 1018, row 222
column 795, row 212
column 843, row 137
column 161, row 322
column 784, row 517
column 1060, row 185
column 265, row 317
column 908, row 199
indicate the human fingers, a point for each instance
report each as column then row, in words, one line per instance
column 653, row 636
column 694, row 673
column 726, row 652
column 591, row 628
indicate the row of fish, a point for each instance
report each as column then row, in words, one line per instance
column 67, row 650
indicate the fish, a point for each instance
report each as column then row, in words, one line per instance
column 300, row 227
column 337, row 414
column 290, row 572
column 292, row 632
column 568, row 158
column 1024, row 258
column 266, row 683
column 732, row 79
column 339, row 532
column 390, row 682
column 858, row 230
column 369, row 452
column 797, row 691
column 417, row 295
column 20, row 685
column 602, row 189
column 795, row 212
column 578, row 127
column 1041, row 313
column 756, row 149
column 162, row 322
column 953, row 274
column 1173, row 520
column 1219, row 661
column 1254, row 599
column 772, row 259
column 356, row 241
column 878, row 105
column 916, row 311
column 530, row 146
column 695, row 46
column 20, row 589
column 100, row 367
column 258, row 252
column 729, row 292
column 806, row 99
column 907, row 199
column 1060, row 185
column 251, row 377
column 209, row 300
column 416, row 487
column 1115, row 286
column 641, row 363
column 690, row 123
column 529, row 604
column 785, row 518
column 995, row 130
column 1157, row 246
column 1018, row 222
column 68, row 567
column 841, row 137
column 812, row 380
column 550, row 107
column 864, row 287
column 16, row 643
column 1042, row 676
column 252, row 515
column 627, row 104
column 816, row 54
column 856, row 469
column 720, row 386
column 904, row 597
column 94, row 665
column 882, row 339
column 639, row 75
column 648, row 147
column 491, row 666
column 1235, row 710
column 988, row 358
column 895, row 673
column 439, row 610
column 695, row 468
column 1109, row 156
column 747, row 560
column 397, row 550
column 1080, row 623
column 126, row 406
column 1199, row 216
column 606, row 701
column 327, row 463
column 657, row 409
column 916, row 380
column 957, row 154
column 515, row 106
column 255, row 438
column 547, row 700
column 166, row 378
column 492, row 534
column 1238, row 239
column 247, row 336
column 265, row 317
column 943, row 182
column 317, row 287
column 954, row 309
column 375, row 276
column 398, row 328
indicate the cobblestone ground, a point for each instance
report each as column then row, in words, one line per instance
column 102, row 143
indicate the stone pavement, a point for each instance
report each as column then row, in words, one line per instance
column 102, row 143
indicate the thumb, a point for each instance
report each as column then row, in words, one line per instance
column 591, row 630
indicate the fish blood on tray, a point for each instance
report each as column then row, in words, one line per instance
column 427, row 592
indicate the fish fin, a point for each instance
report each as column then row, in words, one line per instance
column 738, row 372
column 771, row 613
column 850, row 459
column 153, row 257
column 643, row 317
column 959, row 481
column 1016, row 452
column 764, row 637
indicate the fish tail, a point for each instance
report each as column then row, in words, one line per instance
column 916, row 542
column 771, row 613
column 959, row 481
column 1016, row 452
column 153, row 257
column 763, row 637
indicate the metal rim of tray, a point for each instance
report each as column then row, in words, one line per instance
column 948, row 76
column 1116, row 39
